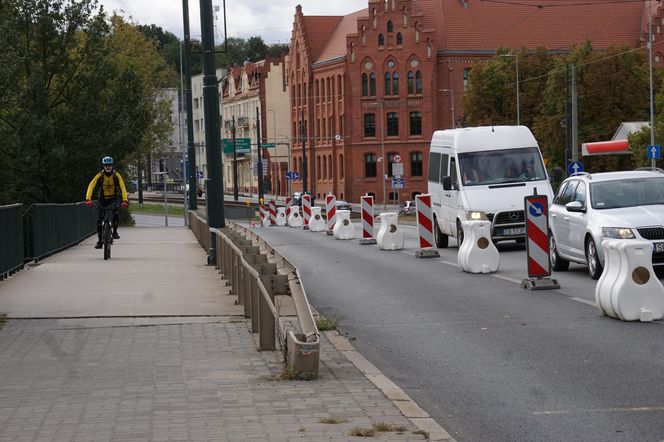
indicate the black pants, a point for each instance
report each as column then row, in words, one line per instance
column 100, row 214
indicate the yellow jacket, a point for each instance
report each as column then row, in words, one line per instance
column 108, row 186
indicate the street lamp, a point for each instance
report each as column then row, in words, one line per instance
column 451, row 91
column 516, row 57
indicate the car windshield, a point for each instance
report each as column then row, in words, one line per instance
column 501, row 166
column 627, row 193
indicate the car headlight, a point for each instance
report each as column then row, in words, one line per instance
column 618, row 232
column 476, row 216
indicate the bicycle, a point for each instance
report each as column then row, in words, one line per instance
column 107, row 227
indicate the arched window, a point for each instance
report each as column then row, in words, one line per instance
column 352, row 53
column 390, row 26
column 369, row 125
column 341, row 166
column 364, row 35
column 388, row 83
column 466, row 78
column 418, row 82
column 372, row 84
column 416, row 164
column 329, row 167
column 370, row 165
column 429, row 48
column 417, row 32
column 385, row 5
column 411, row 83
column 318, row 177
column 415, row 123
column 399, row 39
column 373, row 21
column 405, row 17
column 395, row 84
column 365, row 85
column 325, row 167
column 381, row 40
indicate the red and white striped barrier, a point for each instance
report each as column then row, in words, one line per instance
column 289, row 203
column 273, row 213
column 331, row 210
column 367, row 207
column 537, row 233
column 265, row 219
column 306, row 208
column 425, row 227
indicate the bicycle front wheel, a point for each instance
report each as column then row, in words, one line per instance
column 107, row 241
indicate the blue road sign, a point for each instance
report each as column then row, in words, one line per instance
column 654, row 152
column 574, row 167
column 292, row 175
column 536, row 209
column 398, row 183
column 199, row 174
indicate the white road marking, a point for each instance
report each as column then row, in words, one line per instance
column 597, row 410
column 584, row 301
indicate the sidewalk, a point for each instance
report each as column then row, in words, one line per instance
column 150, row 346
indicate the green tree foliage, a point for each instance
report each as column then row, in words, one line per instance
column 612, row 87
column 72, row 89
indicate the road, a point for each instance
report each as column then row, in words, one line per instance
column 488, row 360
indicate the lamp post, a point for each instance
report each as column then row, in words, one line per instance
column 516, row 58
column 652, row 114
column 451, row 92
column 382, row 151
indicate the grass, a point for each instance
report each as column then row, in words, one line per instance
column 379, row 427
column 157, row 209
column 290, row 375
column 3, row 319
column 363, row 432
column 326, row 324
column 332, row 420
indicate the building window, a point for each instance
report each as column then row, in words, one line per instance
column 393, row 196
column 392, row 124
column 329, row 167
column 325, row 167
column 466, row 78
column 411, row 83
column 415, row 123
column 388, row 83
column 369, row 125
column 381, row 40
column 390, row 26
column 399, row 39
column 365, row 85
column 318, row 176
column 370, row 165
column 417, row 32
column 364, row 35
column 372, row 84
column 416, row 164
column 341, row 166
column 418, row 82
column 395, row 84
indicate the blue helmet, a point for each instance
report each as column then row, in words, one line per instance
column 106, row 161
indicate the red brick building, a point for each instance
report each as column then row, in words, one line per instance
column 376, row 83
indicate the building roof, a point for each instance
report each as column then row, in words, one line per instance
column 336, row 44
column 318, row 30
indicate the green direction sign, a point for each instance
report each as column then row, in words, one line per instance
column 268, row 145
column 242, row 145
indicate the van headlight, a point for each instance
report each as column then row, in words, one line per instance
column 618, row 233
column 476, row 216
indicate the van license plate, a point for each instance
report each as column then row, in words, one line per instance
column 514, row 231
column 658, row 247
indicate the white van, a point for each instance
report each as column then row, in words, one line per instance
column 484, row 173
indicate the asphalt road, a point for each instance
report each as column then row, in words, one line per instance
column 488, row 360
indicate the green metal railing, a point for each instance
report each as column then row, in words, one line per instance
column 11, row 239
column 50, row 228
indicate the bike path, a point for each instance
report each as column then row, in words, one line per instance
column 149, row 345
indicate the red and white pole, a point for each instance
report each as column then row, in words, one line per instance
column 273, row 213
column 306, row 208
column 331, row 211
column 367, row 207
column 425, row 227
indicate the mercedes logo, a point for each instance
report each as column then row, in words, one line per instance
column 514, row 216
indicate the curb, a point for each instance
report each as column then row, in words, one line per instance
column 399, row 398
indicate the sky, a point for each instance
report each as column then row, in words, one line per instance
column 271, row 19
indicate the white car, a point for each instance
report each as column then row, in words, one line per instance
column 591, row 207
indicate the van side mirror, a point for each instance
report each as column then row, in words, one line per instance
column 447, row 183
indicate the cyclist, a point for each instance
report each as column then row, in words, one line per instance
column 111, row 189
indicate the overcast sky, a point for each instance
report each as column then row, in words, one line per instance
column 271, row 19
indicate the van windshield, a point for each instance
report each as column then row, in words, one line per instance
column 501, row 166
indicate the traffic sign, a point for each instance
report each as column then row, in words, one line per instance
column 199, row 174
column 537, row 240
column 574, row 167
column 292, row 175
column 255, row 167
column 398, row 183
column 396, row 158
column 268, row 145
column 242, row 145
column 654, row 152
column 397, row 169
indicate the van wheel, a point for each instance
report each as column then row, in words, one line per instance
column 594, row 265
column 459, row 232
column 441, row 239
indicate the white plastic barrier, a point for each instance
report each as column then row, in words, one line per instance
column 477, row 253
column 265, row 221
column 281, row 216
column 295, row 219
column 628, row 288
column 390, row 236
column 316, row 223
column 343, row 229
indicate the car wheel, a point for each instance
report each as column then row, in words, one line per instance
column 441, row 239
column 557, row 263
column 459, row 233
column 592, row 257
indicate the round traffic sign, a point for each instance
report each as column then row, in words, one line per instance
column 396, row 158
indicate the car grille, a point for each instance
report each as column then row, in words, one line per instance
column 513, row 217
column 652, row 232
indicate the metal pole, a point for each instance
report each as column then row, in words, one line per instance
column 165, row 174
column 191, row 149
column 260, row 161
column 652, row 112
column 382, row 152
column 235, row 183
column 214, row 181
column 575, row 122
column 183, row 158
column 304, row 155
column 518, row 113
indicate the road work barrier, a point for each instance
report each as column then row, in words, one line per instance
column 294, row 219
column 536, row 208
column 273, row 213
column 425, row 227
column 367, row 208
column 390, row 236
column 281, row 216
column 628, row 288
column 477, row 253
column 331, row 212
column 306, row 209
column 317, row 223
column 269, row 288
column 343, row 229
